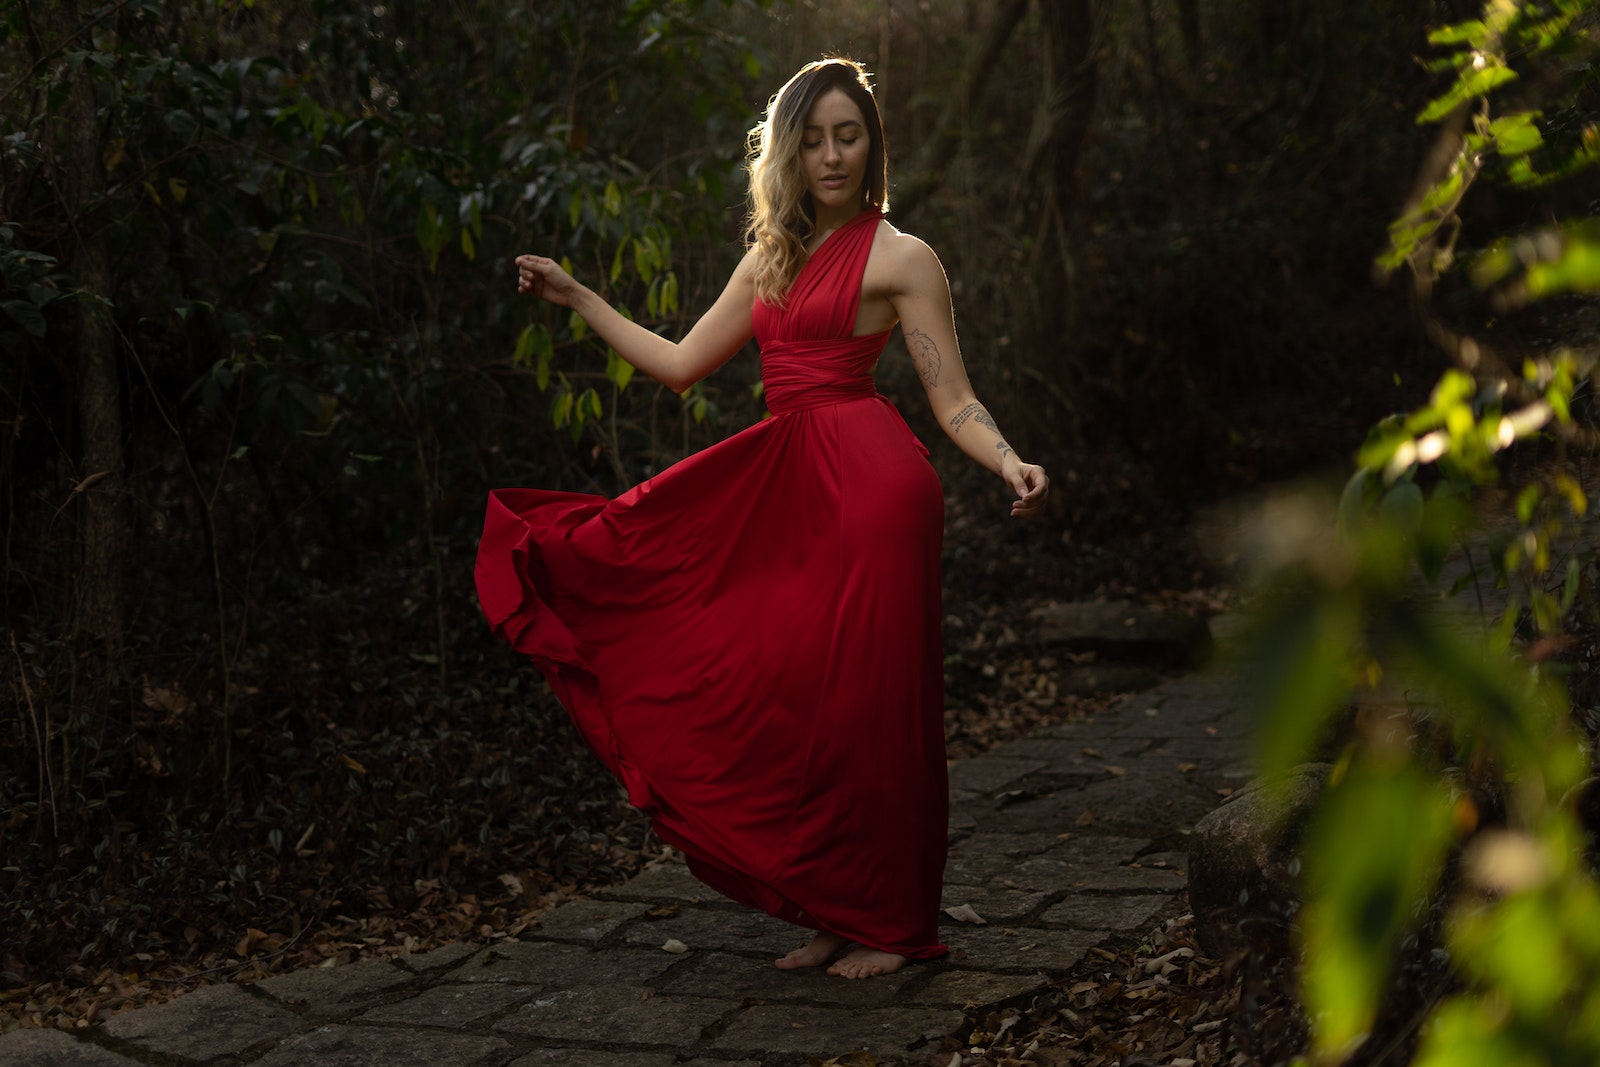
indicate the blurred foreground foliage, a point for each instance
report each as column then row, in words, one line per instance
column 1455, row 845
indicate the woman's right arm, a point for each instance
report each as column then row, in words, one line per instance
column 710, row 343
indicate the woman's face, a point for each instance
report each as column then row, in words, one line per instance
column 833, row 152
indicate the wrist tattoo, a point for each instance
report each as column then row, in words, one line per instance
column 1005, row 449
column 925, row 354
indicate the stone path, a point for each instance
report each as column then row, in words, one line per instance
column 1061, row 842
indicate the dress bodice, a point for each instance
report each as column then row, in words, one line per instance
column 808, row 356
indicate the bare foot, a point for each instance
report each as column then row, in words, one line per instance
column 814, row 954
column 867, row 963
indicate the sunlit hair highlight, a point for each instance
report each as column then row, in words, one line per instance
column 782, row 216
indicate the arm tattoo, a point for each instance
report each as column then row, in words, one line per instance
column 966, row 413
column 925, row 354
column 976, row 412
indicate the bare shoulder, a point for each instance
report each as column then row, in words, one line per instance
column 908, row 263
column 742, row 281
column 746, row 268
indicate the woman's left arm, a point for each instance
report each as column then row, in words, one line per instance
column 922, row 300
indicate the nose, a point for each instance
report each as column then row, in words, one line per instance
column 832, row 152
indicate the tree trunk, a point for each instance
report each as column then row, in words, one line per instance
column 1051, row 184
column 927, row 173
column 1189, row 27
column 79, row 172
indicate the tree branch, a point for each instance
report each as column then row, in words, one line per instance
column 927, row 173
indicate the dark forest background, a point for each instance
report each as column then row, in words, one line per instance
column 263, row 357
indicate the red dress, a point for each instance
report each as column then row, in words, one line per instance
column 750, row 639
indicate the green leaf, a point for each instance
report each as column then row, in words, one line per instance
column 1576, row 269
column 1367, row 872
column 522, row 355
column 1306, row 647
column 1354, row 499
column 1401, row 506
column 1516, row 135
column 1474, row 33
column 545, row 356
column 561, row 409
column 616, row 260
column 618, row 370
column 1471, row 84
column 1527, row 501
column 646, row 257
column 669, row 294
column 1486, row 697
column 26, row 315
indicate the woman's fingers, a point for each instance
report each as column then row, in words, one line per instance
column 1032, row 486
column 531, row 274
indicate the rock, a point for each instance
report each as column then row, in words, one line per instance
column 1122, row 630
column 1244, row 864
column 1107, row 678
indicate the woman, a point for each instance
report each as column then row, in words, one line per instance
column 750, row 640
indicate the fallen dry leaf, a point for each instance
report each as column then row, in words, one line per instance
column 963, row 913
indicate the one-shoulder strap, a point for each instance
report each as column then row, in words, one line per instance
column 824, row 298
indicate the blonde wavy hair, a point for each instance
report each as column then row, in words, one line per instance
column 782, row 216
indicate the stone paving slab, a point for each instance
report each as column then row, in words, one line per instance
column 53, row 1048
column 668, row 882
column 552, row 965
column 211, row 1021
column 1021, row 950
column 609, row 1012
column 995, row 904
column 437, row 959
column 727, row 929
column 334, row 992
column 584, row 1057
column 581, row 1057
column 1115, row 912
column 978, row 989
column 586, row 920
column 365, row 1046
column 991, row 775
column 450, row 1006
column 737, row 978
column 1134, row 880
column 812, row 1029
column 1062, row 843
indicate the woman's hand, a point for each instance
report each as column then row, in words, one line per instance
column 1030, row 483
column 543, row 277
